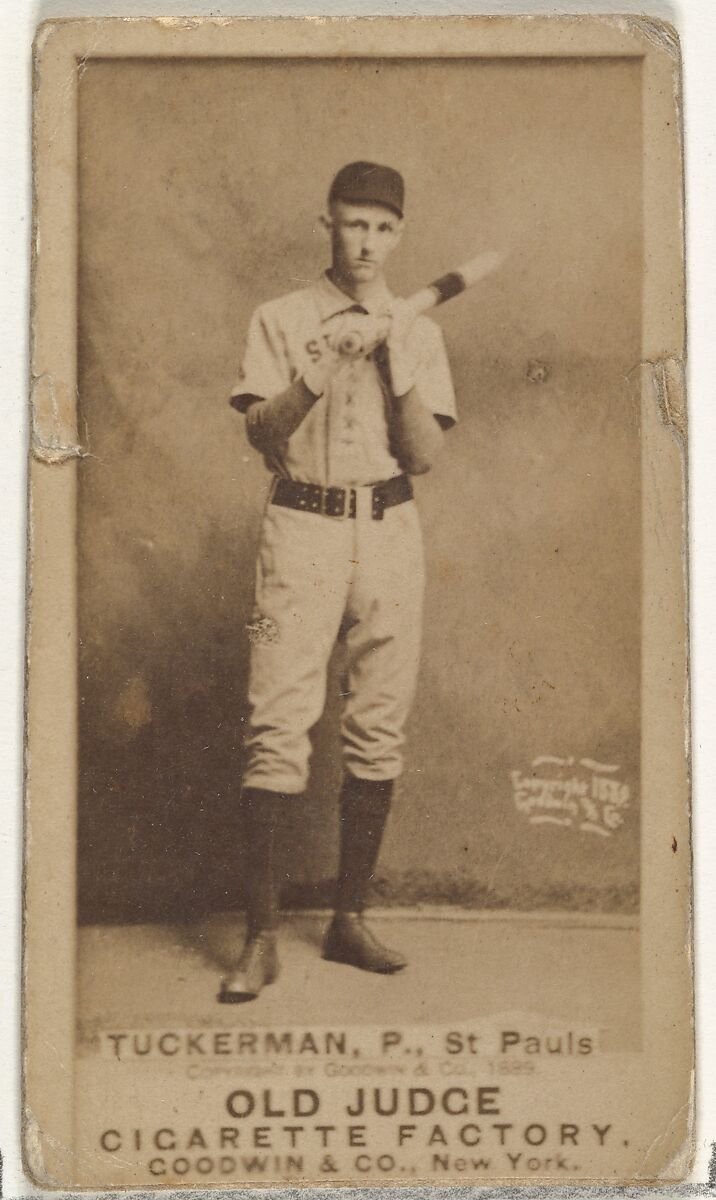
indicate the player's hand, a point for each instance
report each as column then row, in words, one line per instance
column 402, row 352
column 355, row 335
column 344, row 339
column 318, row 375
column 402, row 318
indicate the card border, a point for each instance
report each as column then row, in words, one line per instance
column 61, row 47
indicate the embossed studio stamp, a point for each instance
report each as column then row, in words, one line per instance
column 579, row 793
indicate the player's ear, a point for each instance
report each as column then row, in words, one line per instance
column 399, row 230
column 325, row 221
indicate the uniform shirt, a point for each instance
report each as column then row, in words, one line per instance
column 344, row 439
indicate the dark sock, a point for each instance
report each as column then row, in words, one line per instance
column 364, row 808
column 262, row 817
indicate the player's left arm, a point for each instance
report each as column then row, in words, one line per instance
column 422, row 397
column 415, row 434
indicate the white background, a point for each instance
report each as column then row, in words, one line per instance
column 696, row 23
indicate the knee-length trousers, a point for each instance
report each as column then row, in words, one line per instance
column 318, row 579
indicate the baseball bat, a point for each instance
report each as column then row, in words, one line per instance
column 442, row 289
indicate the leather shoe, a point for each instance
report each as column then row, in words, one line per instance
column 257, row 967
column 350, row 941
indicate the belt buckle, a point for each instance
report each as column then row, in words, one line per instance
column 341, row 516
column 377, row 503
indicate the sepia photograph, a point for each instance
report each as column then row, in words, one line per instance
column 357, row 494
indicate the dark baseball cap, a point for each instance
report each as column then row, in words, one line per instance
column 369, row 183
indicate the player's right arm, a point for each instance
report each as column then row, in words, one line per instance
column 270, row 423
column 275, row 405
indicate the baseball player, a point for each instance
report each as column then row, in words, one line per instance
column 340, row 553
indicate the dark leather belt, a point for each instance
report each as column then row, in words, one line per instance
column 340, row 502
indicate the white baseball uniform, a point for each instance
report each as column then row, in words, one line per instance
column 321, row 578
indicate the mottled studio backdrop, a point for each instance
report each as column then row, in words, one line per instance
column 200, row 184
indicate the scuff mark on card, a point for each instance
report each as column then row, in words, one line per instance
column 179, row 22
column 663, row 36
column 35, row 1141
column 262, row 630
column 194, row 22
column 679, row 1165
column 54, row 436
column 667, row 378
column 134, row 706
column 660, row 33
column 32, row 1143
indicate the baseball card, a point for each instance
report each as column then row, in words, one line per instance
column 357, row 798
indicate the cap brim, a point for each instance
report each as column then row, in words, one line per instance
column 377, row 200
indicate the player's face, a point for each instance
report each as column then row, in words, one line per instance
column 362, row 235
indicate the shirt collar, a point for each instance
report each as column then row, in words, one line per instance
column 331, row 300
